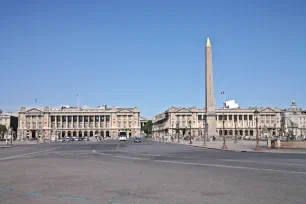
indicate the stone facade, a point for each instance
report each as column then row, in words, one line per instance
column 294, row 120
column 242, row 122
column 10, row 120
column 60, row 122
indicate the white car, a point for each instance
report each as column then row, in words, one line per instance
column 122, row 138
column 76, row 138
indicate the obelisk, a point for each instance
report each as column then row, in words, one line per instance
column 209, row 92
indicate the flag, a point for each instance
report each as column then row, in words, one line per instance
column 222, row 92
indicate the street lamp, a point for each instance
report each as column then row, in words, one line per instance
column 10, row 132
column 205, row 125
column 256, row 113
column 235, row 121
column 177, row 130
column 190, row 142
column 224, row 144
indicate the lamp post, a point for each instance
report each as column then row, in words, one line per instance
column 224, row 144
column 235, row 121
column 190, row 142
column 205, row 124
column 256, row 113
column 10, row 132
column 172, row 138
column 177, row 130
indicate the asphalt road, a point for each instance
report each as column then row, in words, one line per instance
column 150, row 172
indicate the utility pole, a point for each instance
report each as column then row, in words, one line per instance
column 178, row 133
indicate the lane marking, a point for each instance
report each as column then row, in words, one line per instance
column 155, row 155
column 73, row 198
column 34, row 193
column 5, row 189
column 118, row 156
column 22, row 155
column 232, row 167
column 210, row 165
column 134, row 158
column 263, row 162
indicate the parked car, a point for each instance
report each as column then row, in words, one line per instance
column 246, row 137
column 67, row 139
column 61, row 140
column 75, row 138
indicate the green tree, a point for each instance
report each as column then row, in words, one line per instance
column 2, row 130
column 147, row 128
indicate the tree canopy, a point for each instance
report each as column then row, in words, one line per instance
column 2, row 129
column 147, row 128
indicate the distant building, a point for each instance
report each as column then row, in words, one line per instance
column 241, row 122
column 294, row 120
column 143, row 121
column 74, row 121
column 9, row 120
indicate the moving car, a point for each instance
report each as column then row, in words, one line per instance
column 122, row 138
column 137, row 139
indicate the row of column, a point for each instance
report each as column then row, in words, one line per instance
column 83, row 122
column 239, row 123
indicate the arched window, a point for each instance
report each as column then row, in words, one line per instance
column 220, row 132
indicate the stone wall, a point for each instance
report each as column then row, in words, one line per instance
column 286, row 144
column 293, row 144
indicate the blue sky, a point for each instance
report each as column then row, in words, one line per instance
column 150, row 54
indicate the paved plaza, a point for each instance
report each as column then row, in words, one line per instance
column 150, row 172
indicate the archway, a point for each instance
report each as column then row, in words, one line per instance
column 74, row 133
column 220, row 132
column 236, row 132
column 130, row 134
column 225, row 132
column 231, row 132
column 85, row 134
column 246, row 132
column 63, row 134
column 241, row 132
column 80, row 133
column 91, row 133
column 69, row 134
column 251, row 132
column 107, row 133
column 102, row 134
column 97, row 133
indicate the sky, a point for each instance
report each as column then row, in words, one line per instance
column 151, row 54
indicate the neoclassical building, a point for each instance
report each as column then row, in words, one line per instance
column 191, row 121
column 294, row 120
column 74, row 121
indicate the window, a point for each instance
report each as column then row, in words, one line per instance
column 230, row 117
column 240, row 117
column 220, row 117
column 250, row 117
column 245, row 117
column 199, row 117
column 235, row 117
